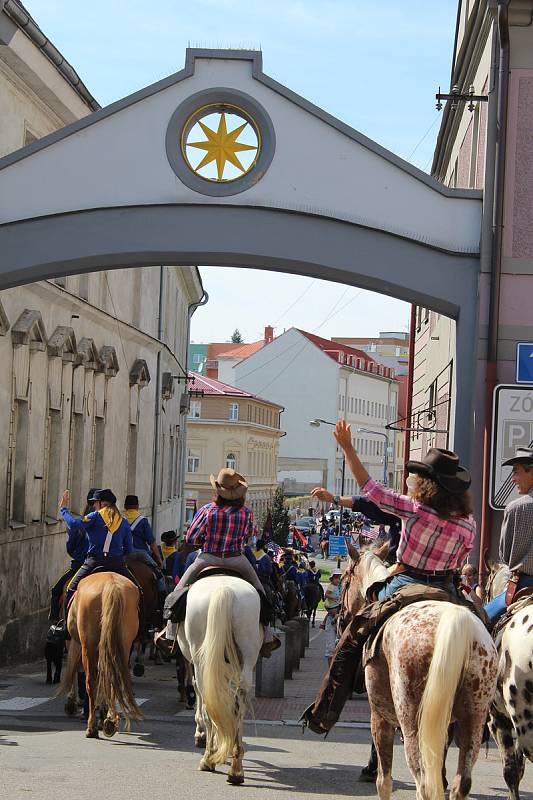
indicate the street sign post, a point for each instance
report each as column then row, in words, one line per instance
column 337, row 548
column 524, row 362
column 512, row 427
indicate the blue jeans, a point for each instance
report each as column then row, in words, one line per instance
column 497, row 606
column 403, row 579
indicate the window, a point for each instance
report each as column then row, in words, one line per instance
column 193, row 461
column 195, row 409
column 234, row 411
column 231, row 461
column 197, row 358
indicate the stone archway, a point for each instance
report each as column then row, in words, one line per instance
column 116, row 189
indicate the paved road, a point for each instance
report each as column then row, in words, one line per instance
column 45, row 754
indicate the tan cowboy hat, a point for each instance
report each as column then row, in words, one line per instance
column 229, row 484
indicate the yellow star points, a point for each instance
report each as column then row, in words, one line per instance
column 221, row 146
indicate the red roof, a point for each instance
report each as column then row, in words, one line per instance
column 333, row 349
column 210, row 386
column 243, row 350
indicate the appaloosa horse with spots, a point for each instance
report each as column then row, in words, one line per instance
column 436, row 664
column 511, row 712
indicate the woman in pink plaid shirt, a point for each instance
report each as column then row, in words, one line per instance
column 438, row 529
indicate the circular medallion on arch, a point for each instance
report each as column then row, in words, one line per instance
column 220, row 142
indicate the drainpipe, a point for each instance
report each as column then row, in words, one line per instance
column 157, row 417
column 410, row 380
column 183, row 428
column 499, row 131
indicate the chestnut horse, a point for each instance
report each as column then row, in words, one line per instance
column 436, row 664
column 103, row 622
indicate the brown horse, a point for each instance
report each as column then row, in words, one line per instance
column 436, row 664
column 103, row 622
column 324, row 548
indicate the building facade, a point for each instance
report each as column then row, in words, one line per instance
column 91, row 394
column 314, row 378
column 486, row 144
column 229, row 427
column 390, row 348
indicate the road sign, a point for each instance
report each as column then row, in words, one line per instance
column 337, row 546
column 512, row 427
column 524, row 362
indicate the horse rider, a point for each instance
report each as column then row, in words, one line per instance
column 374, row 513
column 169, row 540
column 516, row 541
column 263, row 562
column 109, row 538
column 221, row 528
column 144, row 545
column 438, row 532
column 77, row 546
column 314, row 575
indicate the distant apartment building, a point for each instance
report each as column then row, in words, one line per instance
column 196, row 357
column 390, row 348
column 315, row 378
column 230, row 427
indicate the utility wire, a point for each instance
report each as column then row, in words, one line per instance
column 295, row 301
column 411, row 154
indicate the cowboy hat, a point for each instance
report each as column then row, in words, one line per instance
column 229, row 484
column 523, row 455
column 103, row 496
column 168, row 537
column 442, row 466
column 337, row 573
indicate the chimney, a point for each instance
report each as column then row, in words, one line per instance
column 269, row 333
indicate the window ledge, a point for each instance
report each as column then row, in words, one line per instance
column 14, row 525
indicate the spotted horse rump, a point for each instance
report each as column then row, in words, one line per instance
column 512, row 709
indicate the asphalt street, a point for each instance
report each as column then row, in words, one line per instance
column 45, row 754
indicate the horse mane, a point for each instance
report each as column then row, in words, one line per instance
column 373, row 569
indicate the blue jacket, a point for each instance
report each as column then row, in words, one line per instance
column 313, row 577
column 264, row 566
column 142, row 535
column 77, row 543
column 96, row 530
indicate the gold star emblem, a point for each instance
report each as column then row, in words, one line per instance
column 221, row 146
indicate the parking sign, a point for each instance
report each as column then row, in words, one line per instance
column 512, row 427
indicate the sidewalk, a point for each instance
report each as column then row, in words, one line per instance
column 301, row 690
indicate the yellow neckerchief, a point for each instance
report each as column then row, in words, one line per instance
column 112, row 523
column 168, row 549
column 259, row 554
column 131, row 514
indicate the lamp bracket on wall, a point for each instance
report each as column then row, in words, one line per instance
column 456, row 97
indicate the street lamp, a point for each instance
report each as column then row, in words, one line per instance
column 316, row 423
column 386, row 454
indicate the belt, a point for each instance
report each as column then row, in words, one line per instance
column 424, row 573
column 235, row 554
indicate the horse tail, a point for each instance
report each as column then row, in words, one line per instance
column 114, row 682
column 454, row 637
column 73, row 662
column 220, row 674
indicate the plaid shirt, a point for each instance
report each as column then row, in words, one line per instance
column 220, row 530
column 427, row 542
column 516, row 537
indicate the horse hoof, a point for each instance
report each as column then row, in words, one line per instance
column 205, row 766
column 138, row 670
column 109, row 728
column 91, row 733
column 70, row 708
column 200, row 741
column 235, row 780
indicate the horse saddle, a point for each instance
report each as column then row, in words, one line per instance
column 180, row 609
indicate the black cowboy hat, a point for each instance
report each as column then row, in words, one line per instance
column 169, row 536
column 90, row 495
column 104, row 496
column 442, row 466
column 131, row 501
column 523, row 455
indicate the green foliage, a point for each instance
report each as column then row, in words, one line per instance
column 236, row 337
column 280, row 518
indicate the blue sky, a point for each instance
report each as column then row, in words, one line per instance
column 375, row 65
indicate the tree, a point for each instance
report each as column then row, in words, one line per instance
column 236, row 337
column 280, row 518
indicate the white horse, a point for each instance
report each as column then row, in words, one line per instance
column 221, row 637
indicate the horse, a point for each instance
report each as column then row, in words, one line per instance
column 221, row 637
column 511, row 713
column 291, row 600
column 53, row 652
column 436, row 664
column 324, row 548
column 312, row 596
column 147, row 580
column 103, row 622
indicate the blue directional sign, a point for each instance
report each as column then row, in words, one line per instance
column 337, row 546
column 524, row 362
